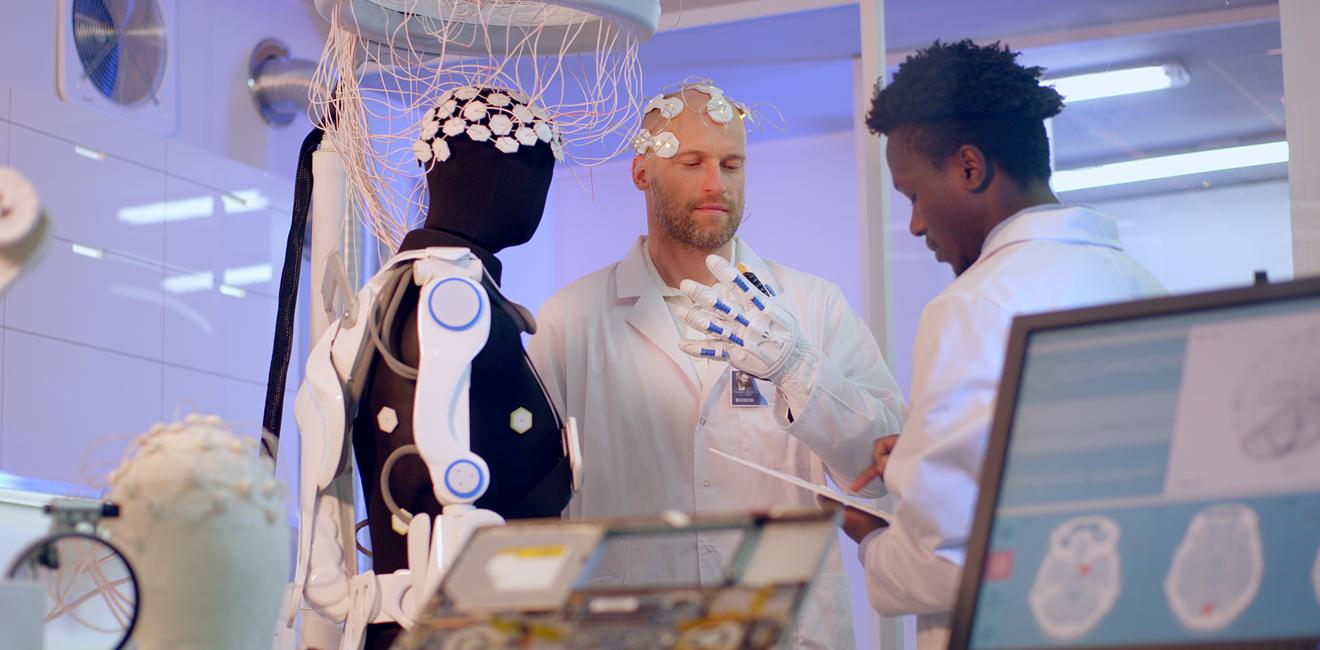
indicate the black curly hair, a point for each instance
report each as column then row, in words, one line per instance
column 953, row 94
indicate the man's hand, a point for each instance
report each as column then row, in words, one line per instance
column 749, row 328
column 856, row 524
column 884, row 447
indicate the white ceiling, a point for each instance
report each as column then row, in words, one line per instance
column 801, row 66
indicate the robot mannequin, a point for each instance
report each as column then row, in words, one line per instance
column 491, row 157
column 483, row 200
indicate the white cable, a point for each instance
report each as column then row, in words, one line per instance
column 378, row 89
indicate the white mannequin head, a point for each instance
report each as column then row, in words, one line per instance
column 202, row 520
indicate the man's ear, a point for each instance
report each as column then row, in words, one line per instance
column 640, row 176
column 974, row 168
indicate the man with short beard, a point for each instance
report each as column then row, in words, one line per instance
column 654, row 384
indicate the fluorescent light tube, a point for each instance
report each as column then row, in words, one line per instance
column 1113, row 83
column 88, row 153
column 233, row 292
column 189, row 283
column 165, row 211
column 248, row 275
column 88, row 251
column 1147, row 169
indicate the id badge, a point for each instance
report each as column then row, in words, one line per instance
column 744, row 392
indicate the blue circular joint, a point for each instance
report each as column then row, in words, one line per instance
column 462, row 472
column 456, row 326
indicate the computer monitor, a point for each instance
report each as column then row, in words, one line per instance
column 1152, row 478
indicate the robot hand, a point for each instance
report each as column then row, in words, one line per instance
column 751, row 329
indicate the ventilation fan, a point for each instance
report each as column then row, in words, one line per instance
column 116, row 56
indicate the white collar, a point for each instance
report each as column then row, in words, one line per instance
column 633, row 274
column 1074, row 223
column 664, row 288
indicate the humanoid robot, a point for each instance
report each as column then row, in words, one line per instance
column 428, row 384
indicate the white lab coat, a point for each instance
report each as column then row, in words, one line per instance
column 607, row 349
column 1042, row 259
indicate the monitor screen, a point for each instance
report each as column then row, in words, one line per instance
column 1161, row 483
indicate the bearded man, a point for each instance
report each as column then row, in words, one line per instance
column 792, row 379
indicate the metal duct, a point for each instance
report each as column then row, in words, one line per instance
column 280, row 85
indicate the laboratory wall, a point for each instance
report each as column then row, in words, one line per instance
column 156, row 295
column 802, row 211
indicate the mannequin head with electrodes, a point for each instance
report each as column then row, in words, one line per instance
column 490, row 157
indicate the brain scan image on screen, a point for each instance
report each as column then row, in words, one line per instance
column 1277, row 406
column 1079, row 579
column 1217, row 568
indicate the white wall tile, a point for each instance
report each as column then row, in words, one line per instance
column 113, row 302
column 233, row 244
column 87, row 128
column 26, row 34
column 4, row 160
column 224, row 334
column 265, row 189
column 1209, row 238
column 68, row 411
column 213, row 42
column 117, row 301
column 108, row 203
column 205, row 328
column 239, row 403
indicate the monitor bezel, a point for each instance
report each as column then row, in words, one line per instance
column 1023, row 327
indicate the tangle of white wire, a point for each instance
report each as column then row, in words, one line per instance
column 377, row 91
column 60, row 583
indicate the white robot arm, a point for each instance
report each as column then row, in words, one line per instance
column 453, row 325
column 453, row 322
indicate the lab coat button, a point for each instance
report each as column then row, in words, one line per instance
column 706, row 483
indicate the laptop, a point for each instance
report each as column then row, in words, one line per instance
column 539, row 584
column 1152, row 478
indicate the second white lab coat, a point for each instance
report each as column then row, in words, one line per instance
column 607, row 348
column 1045, row 258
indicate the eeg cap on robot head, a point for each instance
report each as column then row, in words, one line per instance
column 507, row 119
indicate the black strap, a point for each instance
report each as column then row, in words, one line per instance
column 288, row 301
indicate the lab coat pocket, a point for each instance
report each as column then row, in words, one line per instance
column 765, row 442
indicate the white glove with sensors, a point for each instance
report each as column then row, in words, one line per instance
column 750, row 329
